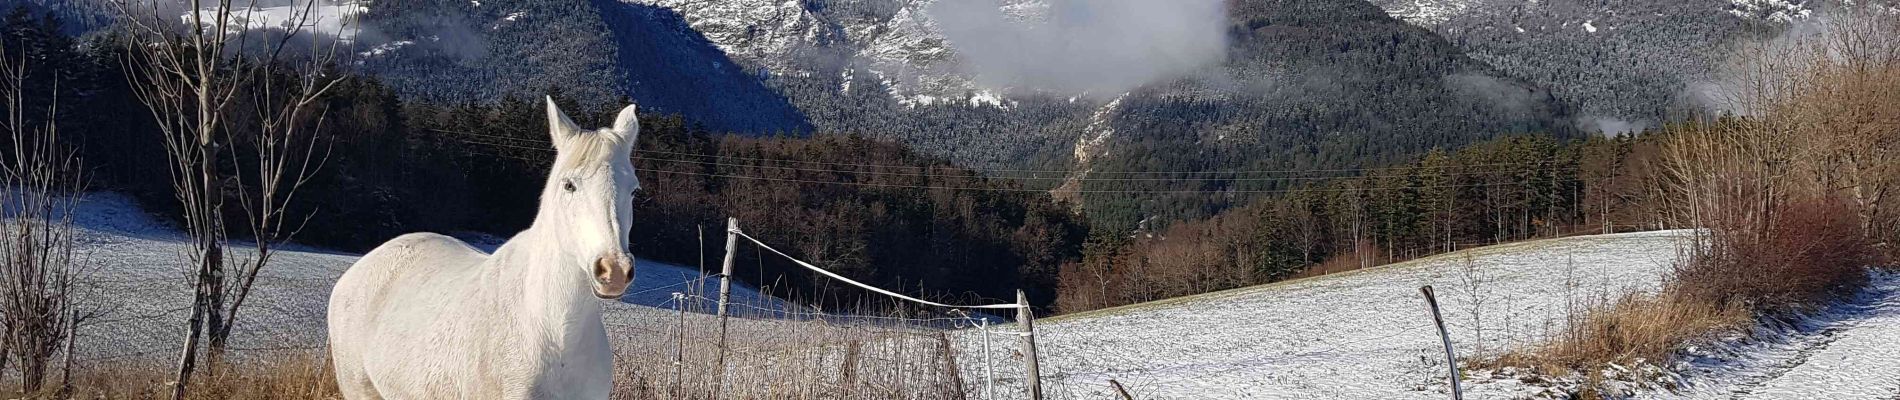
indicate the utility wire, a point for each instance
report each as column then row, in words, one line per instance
column 1003, row 189
column 1027, row 171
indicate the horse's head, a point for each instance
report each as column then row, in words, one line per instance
column 588, row 200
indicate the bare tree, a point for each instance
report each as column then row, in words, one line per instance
column 1850, row 108
column 215, row 81
column 1476, row 286
column 1817, row 112
column 42, row 279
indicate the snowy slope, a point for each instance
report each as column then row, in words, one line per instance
column 1848, row 351
column 1622, row 64
column 144, row 295
column 1859, row 359
column 1361, row 335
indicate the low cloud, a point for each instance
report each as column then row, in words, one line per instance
column 1609, row 126
column 1100, row 47
column 1507, row 97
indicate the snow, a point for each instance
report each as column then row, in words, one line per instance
column 144, row 291
column 336, row 19
column 1362, row 334
column 1428, row 13
column 385, row 48
column 1861, row 362
column 1782, row 11
column 905, row 49
column 988, row 98
column 1848, row 351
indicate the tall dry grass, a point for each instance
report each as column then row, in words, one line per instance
column 780, row 351
column 290, row 377
column 771, row 352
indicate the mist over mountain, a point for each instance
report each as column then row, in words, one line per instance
column 1623, row 64
column 1054, row 85
column 1082, row 47
column 1084, row 86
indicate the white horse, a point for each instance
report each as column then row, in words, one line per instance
column 425, row 316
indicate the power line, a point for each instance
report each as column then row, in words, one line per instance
column 1034, row 171
column 1027, row 171
column 1004, row 189
column 1061, row 178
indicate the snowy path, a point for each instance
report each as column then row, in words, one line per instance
column 1849, row 351
column 1355, row 335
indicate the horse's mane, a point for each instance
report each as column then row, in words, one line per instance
column 594, row 147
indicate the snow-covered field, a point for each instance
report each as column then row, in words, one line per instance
column 144, row 296
column 1362, row 334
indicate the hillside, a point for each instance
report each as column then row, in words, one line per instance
column 1301, row 84
column 1624, row 64
column 144, row 297
column 598, row 52
column 1359, row 334
column 1271, row 84
column 1363, row 334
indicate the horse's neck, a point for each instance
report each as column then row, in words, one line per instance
column 541, row 283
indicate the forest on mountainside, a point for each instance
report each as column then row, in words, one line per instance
column 1304, row 84
column 1344, row 86
column 1243, row 198
column 390, row 165
column 1502, row 190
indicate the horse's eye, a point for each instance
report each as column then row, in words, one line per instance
column 569, row 185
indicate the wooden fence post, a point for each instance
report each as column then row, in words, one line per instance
column 679, row 348
column 1119, row 390
column 989, row 374
column 1027, row 319
column 725, row 295
column 1451, row 359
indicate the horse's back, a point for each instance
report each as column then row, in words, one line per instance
column 368, row 295
column 410, row 259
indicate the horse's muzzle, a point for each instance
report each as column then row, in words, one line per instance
column 612, row 273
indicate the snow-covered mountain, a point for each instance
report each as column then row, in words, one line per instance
column 1624, row 64
column 1290, row 83
column 894, row 41
column 1066, row 86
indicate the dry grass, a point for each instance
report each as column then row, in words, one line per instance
column 772, row 354
column 1629, row 329
column 294, row 377
column 1810, row 253
column 769, row 357
column 1366, row 255
column 1793, row 193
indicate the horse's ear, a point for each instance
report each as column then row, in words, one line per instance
column 560, row 128
column 627, row 125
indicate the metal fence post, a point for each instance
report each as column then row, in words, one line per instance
column 1451, row 359
column 1027, row 319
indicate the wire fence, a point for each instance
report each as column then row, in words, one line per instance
column 762, row 347
column 902, row 347
column 896, row 347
